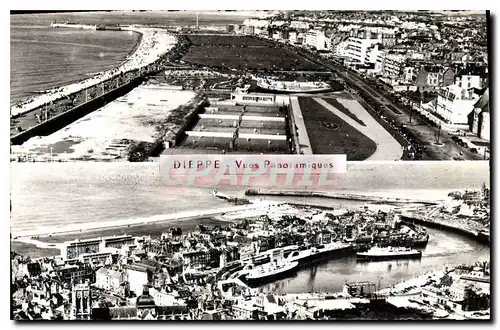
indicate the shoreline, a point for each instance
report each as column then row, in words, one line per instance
column 88, row 76
column 256, row 205
column 150, row 220
column 36, row 101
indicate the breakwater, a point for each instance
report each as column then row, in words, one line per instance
column 336, row 195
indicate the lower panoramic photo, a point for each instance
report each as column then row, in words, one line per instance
column 110, row 241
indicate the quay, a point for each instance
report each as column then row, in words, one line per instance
column 410, row 217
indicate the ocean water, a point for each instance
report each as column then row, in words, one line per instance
column 47, row 195
column 42, row 57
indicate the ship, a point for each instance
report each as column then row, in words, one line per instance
column 387, row 253
column 292, row 86
column 316, row 253
column 270, row 272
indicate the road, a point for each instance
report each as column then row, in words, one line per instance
column 424, row 133
column 421, row 130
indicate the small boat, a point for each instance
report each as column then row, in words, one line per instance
column 388, row 253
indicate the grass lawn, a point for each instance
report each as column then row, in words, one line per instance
column 226, row 40
column 344, row 110
column 331, row 135
column 252, row 58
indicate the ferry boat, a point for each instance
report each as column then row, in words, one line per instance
column 320, row 252
column 292, row 86
column 269, row 272
column 386, row 253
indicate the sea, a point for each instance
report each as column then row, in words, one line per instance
column 57, row 195
column 42, row 58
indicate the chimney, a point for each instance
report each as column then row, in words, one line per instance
column 145, row 289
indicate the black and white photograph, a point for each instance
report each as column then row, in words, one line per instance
column 218, row 165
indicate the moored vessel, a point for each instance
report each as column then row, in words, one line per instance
column 270, row 272
column 387, row 253
column 319, row 252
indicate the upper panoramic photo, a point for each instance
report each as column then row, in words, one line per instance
column 135, row 85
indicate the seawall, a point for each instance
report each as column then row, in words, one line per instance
column 56, row 123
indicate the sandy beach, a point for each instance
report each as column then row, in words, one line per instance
column 256, row 208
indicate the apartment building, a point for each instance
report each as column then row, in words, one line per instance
column 358, row 49
column 454, row 104
column 433, row 77
column 471, row 77
column 316, row 39
column 394, row 65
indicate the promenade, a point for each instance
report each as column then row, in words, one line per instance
column 302, row 137
column 387, row 146
column 154, row 43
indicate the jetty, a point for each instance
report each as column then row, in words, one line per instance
column 338, row 195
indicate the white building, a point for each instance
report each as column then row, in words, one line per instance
column 137, row 278
column 357, row 49
column 292, row 37
column 393, row 65
column 257, row 99
column 299, row 25
column 163, row 298
column 481, row 120
column 454, row 104
column 469, row 81
column 316, row 39
column 376, row 57
column 341, row 49
column 110, row 279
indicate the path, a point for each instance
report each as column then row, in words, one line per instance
column 387, row 147
column 303, row 138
